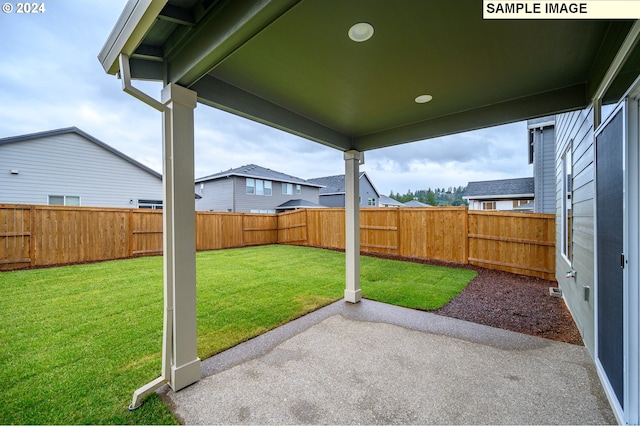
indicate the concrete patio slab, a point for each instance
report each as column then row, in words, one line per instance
column 373, row 363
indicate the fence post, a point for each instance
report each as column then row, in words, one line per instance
column 33, row 238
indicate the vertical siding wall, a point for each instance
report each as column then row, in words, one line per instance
column 515, row 242
column 574, row 131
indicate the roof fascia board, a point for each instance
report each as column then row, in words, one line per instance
column 497, row 197
column 135, row 21
column 556, row 101
column 608, row 64
column 216, row 93
column 220, row 34
column 248, row 175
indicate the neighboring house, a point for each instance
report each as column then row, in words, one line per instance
column 70, row 167
column 542, row 156
column 254, row 189
column 333, row 191
column 504, row 194
column 536, row 194
column 416, row 203
column 385, row 201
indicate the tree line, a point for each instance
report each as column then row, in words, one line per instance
column 434, row 197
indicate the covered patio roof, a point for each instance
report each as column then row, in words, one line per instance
column 292, row 65
column 411, row 70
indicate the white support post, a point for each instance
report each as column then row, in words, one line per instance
column 352, row 293
column 179, row 243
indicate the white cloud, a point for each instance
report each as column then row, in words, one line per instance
column 50, row 78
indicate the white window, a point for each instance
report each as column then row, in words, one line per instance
column 298, row 189
column 287, row 189
column 251, row 186
column 64, row 200
column 150, row 204
column 567, row 189
column 371, row 202
column 488, row 205
column 258, row 186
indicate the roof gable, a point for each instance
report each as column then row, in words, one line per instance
column 88, row 137
column 500, row 188
column 257, row 172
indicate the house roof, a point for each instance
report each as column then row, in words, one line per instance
column 416, row 203
column 335, row 185
column 291, row 64
column 389, row 201
column 57, row 132
column 258, row 172
column 296, row 204
column 504, row 188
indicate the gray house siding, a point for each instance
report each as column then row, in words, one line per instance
column 217, row 195
column 332, row 200
column 68, row 164
column 230, row 194
column 367, row 191
column 543, row 169
column 247, row 202
column 575, row 131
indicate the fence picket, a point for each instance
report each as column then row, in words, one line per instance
column 521, row 243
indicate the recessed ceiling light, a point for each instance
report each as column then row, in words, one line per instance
column 361, row 32
column 423, row 99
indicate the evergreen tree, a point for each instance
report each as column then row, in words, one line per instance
column 431, row 198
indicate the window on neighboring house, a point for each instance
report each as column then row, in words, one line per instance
column 287, row 189
column 251, row 186
column 371, row 202
column 272, row 211
column 64, row 200
column 298, row 189
column 260, row 187
column 150, row 204
column 518, row 203
column 488, row 205
column 567, row 189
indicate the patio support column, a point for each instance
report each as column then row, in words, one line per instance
column 352, row 293
column 179, row 349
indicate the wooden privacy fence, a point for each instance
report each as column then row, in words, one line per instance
column 522, row 243
column 51, row 235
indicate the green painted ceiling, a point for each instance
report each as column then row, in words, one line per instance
column 290, row 64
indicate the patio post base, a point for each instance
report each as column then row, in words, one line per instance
column 353, row 296
column 185, row 375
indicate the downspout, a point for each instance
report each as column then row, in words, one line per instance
column 139, row 394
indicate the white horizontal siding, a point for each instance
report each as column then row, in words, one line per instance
column 69, row 164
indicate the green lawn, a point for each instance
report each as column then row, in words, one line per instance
column 76, row 341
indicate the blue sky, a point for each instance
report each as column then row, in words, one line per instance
column 50, row 78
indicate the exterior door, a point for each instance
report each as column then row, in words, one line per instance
column 610, row 246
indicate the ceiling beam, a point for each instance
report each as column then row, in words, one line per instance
column 216, row 93
column 177, row 15
column 148, row 52
column 557, row 101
